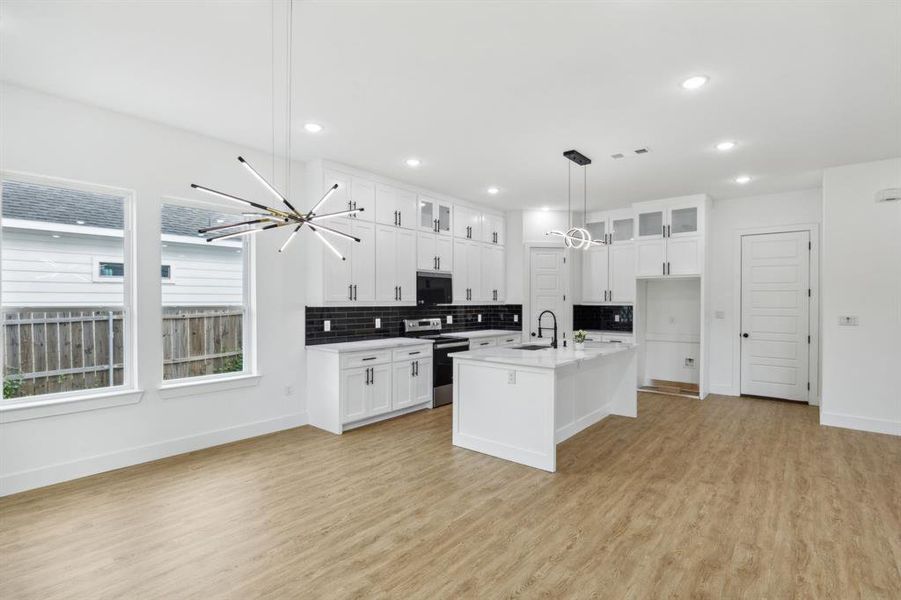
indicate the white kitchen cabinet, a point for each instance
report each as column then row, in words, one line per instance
column 412, row 382
column 467, row 223
column 353, row 388
column 670, row 237
column 621, row 276
column 608, row 273
column 612, row 226
column 435, row 216
column 395, row 206
column 493, row 227
column 352, row 192
column 467, row 272
column 434, row 253
column 595, row 274
column 493, row 288
column 395, row 268
column 352, row 279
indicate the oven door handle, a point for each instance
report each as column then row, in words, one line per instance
column 452, row 345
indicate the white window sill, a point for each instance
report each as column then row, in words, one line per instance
column 193, row 387
column 57, row 405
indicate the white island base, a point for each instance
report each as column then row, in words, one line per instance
column 519, row 404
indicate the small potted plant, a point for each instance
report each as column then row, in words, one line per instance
column 579, row 339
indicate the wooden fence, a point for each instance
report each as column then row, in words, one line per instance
column 47, row 351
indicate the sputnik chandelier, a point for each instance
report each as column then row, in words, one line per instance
column 272, row 218
column 577, row 237
column 265, row 217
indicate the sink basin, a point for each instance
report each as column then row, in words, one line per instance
column 530, row 347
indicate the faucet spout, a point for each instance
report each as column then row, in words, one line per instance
column 540, row 328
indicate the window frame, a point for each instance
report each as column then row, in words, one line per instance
column 15, row 409
column 249, row 375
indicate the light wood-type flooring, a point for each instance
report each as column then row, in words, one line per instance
column 721, row 498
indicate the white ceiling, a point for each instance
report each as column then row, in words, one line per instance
column 491, row 93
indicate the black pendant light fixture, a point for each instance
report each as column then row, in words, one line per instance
column 267, row 218
column 577, row 237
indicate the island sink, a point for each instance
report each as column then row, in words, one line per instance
column 531, row 347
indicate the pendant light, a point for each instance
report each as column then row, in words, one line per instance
column 267, row 218
column 577, row 237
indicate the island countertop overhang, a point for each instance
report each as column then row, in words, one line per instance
column 549, row 358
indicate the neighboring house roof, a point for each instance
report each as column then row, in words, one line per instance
column 48, row 204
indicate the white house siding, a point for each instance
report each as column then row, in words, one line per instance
column 40, row 271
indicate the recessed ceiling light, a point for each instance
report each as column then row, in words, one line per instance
column 220, row 220
column 694, row 82
column 724, row 146
column 742, row 179
column 493, row 190
column 413, row 162
column 56, row 236
column 545, row 208
column 79, row 222
column 312, row 127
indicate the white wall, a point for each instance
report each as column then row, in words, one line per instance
column 671, row 319
column 861, row 276
column 51, row 136
column 728, row 219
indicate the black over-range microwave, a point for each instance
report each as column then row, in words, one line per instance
column 433, row 288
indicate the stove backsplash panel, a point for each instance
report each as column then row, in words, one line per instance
column 602, row 317
column 354, row 323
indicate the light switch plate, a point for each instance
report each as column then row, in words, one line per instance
column 378, row 323
column 479, row 317
column 511, row 377
column 516, row 318
column 450, row 320
column 848, row 320
column 326, row 326
column 616, row 318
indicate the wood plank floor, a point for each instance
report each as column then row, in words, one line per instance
column 725, row 498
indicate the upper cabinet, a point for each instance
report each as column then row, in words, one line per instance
column 670, row 237
column 467, row 223
column 395, row 206
column 612, row 226
column 493, row 227
column 435, row 215
column 608, row 271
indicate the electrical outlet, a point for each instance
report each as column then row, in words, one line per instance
column 616, row 318
column 847, row 320
column 689, row 362
column 378, row 323
column 450, row 320
column 479, row 318
column 516, row 318
column 511, row 377
column 326, row 326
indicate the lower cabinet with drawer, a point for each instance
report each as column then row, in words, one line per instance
column 350, row 389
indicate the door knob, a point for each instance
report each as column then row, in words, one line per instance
column 533, row 334
column 744, row 335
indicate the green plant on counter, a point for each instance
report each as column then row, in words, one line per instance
column 579, row 336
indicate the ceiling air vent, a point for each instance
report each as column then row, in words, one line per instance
column 617, row 156
column 641, row 151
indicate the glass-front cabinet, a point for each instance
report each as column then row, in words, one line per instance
column 683, row 221
column 651, row 224
column 434, row 215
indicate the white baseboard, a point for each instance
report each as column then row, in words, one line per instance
column 582, row 423
column 860, row 423
column 35, row 478
column 722, row 390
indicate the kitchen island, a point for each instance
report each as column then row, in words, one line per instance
column 518, row 404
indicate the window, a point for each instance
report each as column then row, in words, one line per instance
column 63, row 332
column 107, row 270
column 205, row 311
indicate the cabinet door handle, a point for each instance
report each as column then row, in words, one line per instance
column 367, row 375
column 417, row 368
column 669, row 270
column 400, row 292
column 412, row 368
column 439, row 263
column 664, row 268
column 400, row 219
column 395, row 217
column 369, row 358
column 414, row 353
column 355, row 292
column 350, row 291
column 372, row 376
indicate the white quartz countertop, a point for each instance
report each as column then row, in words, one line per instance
column 369, row 345
column 482, row 333
column 609, row 332
column 549, row 358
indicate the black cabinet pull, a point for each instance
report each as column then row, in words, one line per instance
column 372, row 377
column 400, row 292
column 370, row 358
column 664, row 268
column 669, row 270
column 413, row 353
column 367, row 375
column 400, row 219
column 355, row 291
column 744, row 335
column 412, row 368
column 439, row 263
column 350, row 291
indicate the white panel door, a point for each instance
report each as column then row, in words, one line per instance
column 685, row 255
column 594, row 274
column 363, row 261
column 386, row 263
column 547, row 286
column 337, row 272
column 386, row 204
column 650, row 257
column 354, row 388
column 775, row 278
column 405, row 264
column 405, row 204
column 403, row 384
column 378, row 396
column 622, row 272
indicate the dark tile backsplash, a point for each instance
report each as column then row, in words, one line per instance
column 602, row 317
column 353, row 323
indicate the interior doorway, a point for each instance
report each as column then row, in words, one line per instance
column 775, row 332
column 547, row 289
